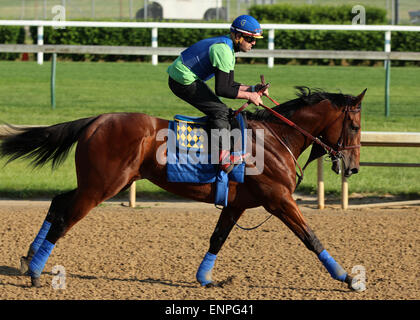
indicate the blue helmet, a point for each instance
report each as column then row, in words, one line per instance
column 247, row 25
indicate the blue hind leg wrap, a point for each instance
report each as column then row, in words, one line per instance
column 40, row 259
column 222, row 189
column 336, row 271
column 42, row 234
column 204, row 271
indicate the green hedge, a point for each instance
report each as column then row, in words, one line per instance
column 314, row 14
column 331, row 40
column 285, row 39
column 11, row 35
column 405, row 41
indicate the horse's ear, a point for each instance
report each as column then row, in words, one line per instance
column 360, row 97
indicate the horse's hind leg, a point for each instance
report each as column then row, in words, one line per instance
column 65, row 211
column 57, row 207
column 227, row 220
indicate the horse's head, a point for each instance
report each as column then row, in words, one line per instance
column 344, row 136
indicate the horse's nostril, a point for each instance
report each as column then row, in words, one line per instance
column 351, row 171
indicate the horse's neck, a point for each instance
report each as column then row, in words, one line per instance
column 312, row 119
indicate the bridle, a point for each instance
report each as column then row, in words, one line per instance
column 334, row 153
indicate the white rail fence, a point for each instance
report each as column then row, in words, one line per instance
column 175, row 51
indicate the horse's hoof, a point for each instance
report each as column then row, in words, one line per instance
column 36, row 282
column 24, row 265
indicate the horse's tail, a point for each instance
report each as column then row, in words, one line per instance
column 43, row 144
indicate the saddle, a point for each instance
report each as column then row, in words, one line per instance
column 189, row 159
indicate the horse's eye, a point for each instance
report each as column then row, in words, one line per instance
column 354, row 127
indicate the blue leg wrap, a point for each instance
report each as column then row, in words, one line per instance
column 335, row 270
column 204, row 271
column 40, row 259
column 39, row 239
column 222, row 189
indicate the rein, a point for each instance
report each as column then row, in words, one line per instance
column 330, row 150
column 252, row 228
column 336, row 154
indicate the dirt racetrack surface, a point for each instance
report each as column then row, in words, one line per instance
column 153, row 252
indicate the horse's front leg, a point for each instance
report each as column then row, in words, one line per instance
column 286, row 209
column 227, row 220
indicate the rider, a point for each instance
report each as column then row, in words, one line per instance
column 216, row 57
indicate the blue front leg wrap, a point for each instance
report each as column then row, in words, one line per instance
column 204, row 271
column 42, row 234
column 335, row 270
column 40, row 259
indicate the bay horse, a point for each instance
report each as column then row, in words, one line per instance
column 115, row 149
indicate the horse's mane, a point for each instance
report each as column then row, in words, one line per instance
column 306, row 97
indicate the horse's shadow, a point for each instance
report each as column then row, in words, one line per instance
column 170, row 283
column 9, row 271
column 300, row 289
column 13, row 272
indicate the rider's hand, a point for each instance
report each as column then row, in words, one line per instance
column 255, row 98
column 259, row 86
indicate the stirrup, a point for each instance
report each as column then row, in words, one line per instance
column 225, row 163
column 228, row 167
column 233, row 160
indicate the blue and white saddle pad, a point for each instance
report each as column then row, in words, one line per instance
column 188, row 159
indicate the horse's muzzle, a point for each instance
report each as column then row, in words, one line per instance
column 336, row 167
column 348, row 172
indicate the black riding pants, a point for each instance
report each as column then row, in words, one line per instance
column 199, row 95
